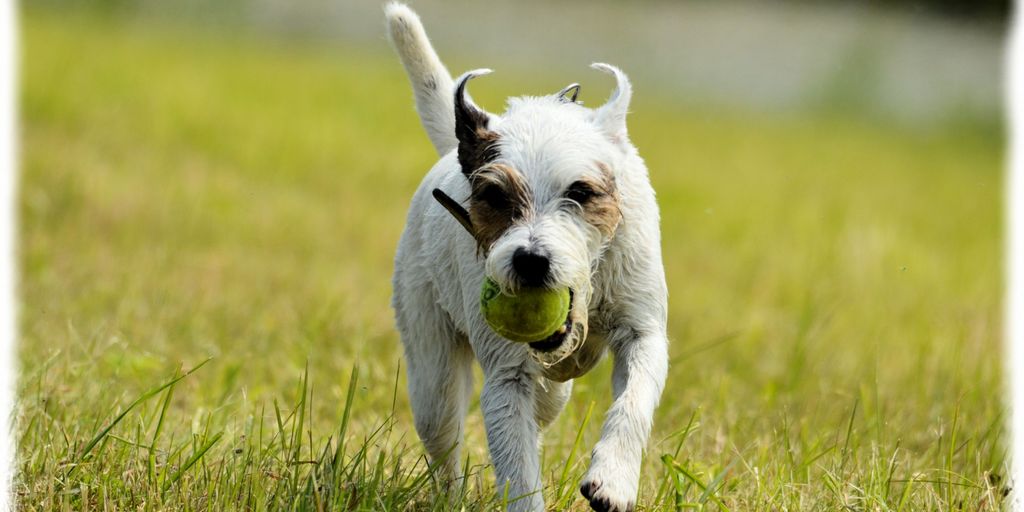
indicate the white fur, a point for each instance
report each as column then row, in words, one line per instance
column 619, row 285
column 430, row 79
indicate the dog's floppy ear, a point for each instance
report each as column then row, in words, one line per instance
column 477, row 143
column 611, row 116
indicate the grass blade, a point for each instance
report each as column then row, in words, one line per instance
column 145, row 396
column 159, row 428
column 572, row 452
column 198, row 454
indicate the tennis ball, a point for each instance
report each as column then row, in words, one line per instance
column 532, row 314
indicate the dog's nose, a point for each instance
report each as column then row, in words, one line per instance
column 532, row 267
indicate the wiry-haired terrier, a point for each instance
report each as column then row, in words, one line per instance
column 548, row 194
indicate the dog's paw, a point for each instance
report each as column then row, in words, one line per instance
column 608, row 492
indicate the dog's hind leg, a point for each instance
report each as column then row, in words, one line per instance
column 550, row 399
column 439, row 369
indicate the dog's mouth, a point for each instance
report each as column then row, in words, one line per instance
column 555, row 340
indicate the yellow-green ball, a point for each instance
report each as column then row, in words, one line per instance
column 532, row 314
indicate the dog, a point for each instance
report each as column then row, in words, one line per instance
column 549, row 194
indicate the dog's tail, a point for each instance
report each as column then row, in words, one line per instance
column 430, row 80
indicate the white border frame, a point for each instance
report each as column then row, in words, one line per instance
column 8, row 184
column 1014, row 299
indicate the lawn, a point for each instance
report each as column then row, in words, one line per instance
column 191, row 197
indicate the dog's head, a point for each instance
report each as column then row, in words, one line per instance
column 544, row 200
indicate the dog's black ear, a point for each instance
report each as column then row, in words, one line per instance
column 477, row 143
column 568, row 95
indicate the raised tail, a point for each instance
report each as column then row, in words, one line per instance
column 430, row 80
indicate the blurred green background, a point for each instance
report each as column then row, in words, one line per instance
column 229, row 181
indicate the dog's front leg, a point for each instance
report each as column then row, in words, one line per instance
column 641, row 363
column 507, row 403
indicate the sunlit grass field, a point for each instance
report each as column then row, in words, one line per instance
column 190, row 196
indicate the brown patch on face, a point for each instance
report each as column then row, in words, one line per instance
column 599, row 199
column 500, row 196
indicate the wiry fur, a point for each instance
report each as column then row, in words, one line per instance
column 606, row 249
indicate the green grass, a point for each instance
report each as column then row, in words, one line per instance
column 186, row 195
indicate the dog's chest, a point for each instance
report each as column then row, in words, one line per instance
column 581, row 361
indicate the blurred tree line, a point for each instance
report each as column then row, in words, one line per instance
column 990, row 9
column 966, row 9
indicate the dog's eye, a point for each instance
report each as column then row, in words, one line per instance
column 494, row 196
column 581, row 192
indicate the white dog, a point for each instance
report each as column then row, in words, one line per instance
column 547, row 194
